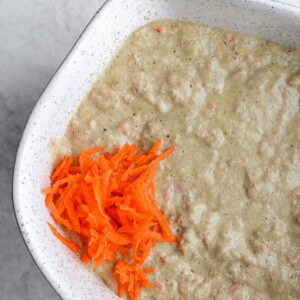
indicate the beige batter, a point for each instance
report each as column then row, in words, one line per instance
column 230, row 104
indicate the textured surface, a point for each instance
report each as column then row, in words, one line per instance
column 35, row 37
column 191, row 87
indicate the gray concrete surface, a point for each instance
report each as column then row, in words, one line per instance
column 35, row 36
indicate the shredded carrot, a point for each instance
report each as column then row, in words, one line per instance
column 74, row 247
column 214, row 108
column 159, row 29
column 131, row 277
column 109, row 201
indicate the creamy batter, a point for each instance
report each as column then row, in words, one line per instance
column 229, row 102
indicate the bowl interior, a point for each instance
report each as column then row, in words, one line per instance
column 111, row 25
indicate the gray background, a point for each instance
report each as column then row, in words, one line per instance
column 35, row 36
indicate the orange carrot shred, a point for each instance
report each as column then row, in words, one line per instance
column 92, row 150
column 163, row 155
column 159, row 29
column 155, row 148
column 62, row 169
column 109, row 201
column 74, row 247
column 84, row 257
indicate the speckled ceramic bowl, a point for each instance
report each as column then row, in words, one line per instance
column 111, row 25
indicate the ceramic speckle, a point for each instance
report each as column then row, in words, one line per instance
column 111, row 25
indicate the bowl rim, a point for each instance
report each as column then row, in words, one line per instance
column 25, row 132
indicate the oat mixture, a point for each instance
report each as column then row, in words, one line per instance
column 230, row 104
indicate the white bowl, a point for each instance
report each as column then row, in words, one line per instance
column 110, row 26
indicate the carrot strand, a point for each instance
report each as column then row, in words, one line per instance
column 109, row 201
column 74, row 247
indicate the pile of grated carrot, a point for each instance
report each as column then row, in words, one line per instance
column 109, row 201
